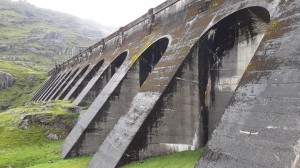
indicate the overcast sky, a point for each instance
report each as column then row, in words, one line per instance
column 114, row 13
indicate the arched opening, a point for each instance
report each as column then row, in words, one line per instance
column 86, row 80
column 57, row 86
column 150, row 58
column 103, row 79
column 196, row 98
column 223, row 54
column 74, row 82
column 43, row 88
column 50, row 87
column 123, row 90
column 65, row 83
column 116, row 64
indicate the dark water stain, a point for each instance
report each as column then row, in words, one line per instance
column 212, row 48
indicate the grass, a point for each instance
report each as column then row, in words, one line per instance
column 30, row 147
column 186, row 159
column 21, row 147
column 27, row 80
column 80, row 162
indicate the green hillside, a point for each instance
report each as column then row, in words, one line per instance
column 28, row 79
column 31, row 41
column 41, row 36
column 31, row 136
column 31, row 133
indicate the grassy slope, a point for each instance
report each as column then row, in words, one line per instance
column 28, row 79
column 186, row 159
column 25, row 28
column 31, row 147
column 28, row 147
column 29, row 48
column 20, row 26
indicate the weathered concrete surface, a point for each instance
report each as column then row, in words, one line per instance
column 261, row 125
column 47, row 83
column 137, row 113
column 60, row 85
column 76, row 82
column 97, row 83
column 68, row 86
column 113, row 102
column 57, row 84
column 43, row 85
column 50, row 87
column 129, row 124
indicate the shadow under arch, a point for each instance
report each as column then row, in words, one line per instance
column 209, row 75
column 57, row 86
column 43, row 87
column 150, row 57
column 56, row 79
column 64, row 85
column 74, row 82
column 86, row 80
column 86, row 97
column 223, row 55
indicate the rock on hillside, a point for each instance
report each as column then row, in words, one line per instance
column 32, row 34
column 6, row 80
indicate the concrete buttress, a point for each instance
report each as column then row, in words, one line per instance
column 222, row 74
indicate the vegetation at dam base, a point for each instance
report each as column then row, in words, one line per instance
column 185, row 159
column 31, row 136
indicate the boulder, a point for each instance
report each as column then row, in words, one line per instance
column 62, row 123
column 6, row 80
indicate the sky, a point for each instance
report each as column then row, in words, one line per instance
column 114, row 13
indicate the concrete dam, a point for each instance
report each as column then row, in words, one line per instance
column 223, row 74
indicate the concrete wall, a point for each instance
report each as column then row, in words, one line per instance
column 202, row 74
column 116, row 106
column 262, row 120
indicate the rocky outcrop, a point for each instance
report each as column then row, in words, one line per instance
column 57, row 126
column 6, row 80
column 5, row 47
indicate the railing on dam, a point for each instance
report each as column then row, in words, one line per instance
column 82, row 55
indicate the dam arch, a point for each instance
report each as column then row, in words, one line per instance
column 58, row 91
column 182, row 99
column 56, row 79
column 89, row 93
column 101, row 119
column 224, row 53
column 202, row 87
column 77, row 77
column 64, row 78
column 87, row 78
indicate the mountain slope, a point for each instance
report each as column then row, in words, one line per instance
column 31, row 41
column 41, row 36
